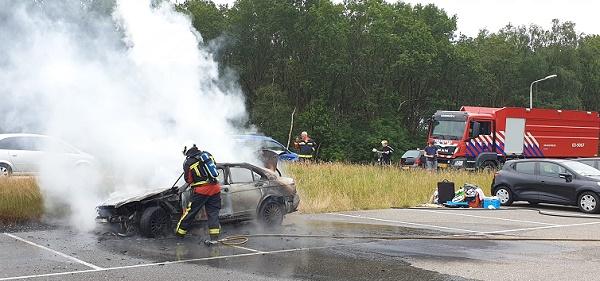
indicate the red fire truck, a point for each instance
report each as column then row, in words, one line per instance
column 483, row 137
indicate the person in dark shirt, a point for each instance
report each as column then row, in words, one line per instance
column 386, row 153
column 431, row 156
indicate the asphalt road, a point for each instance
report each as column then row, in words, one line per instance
column 59, row 253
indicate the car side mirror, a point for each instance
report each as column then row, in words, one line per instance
column 567, row 177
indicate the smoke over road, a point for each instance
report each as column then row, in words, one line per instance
column 126, row 83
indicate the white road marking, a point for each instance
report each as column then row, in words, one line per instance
column 175, row 262
column 540, row 227
column 245, row 248
column 483, row 217
column 472, row 231
column 409, row 223
column 54, row 252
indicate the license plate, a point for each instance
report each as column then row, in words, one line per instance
column 443, row 165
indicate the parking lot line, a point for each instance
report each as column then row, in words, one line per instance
column 540, row 227
column 54, row 252
column 176, row 262
column 482, row 217
column 410, row 223
column 245, row 248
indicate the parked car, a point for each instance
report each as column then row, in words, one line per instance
column 413, row 159
column 247, row 192
column 22, row 153
column 593, row 162
column 267, row 143
column 554, row 181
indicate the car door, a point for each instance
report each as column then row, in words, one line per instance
column 226, row 200
column 553, row 188
column 32, row 153
column 21, row 153
column 524, row 181
column 6, row 152
column 245, row 189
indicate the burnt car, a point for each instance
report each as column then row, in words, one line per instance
column 248, row 192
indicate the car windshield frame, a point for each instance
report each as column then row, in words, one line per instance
column 581, row 169
column 448, row 129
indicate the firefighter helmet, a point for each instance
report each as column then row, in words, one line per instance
column 187, row 146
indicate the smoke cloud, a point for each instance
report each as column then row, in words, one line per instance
column 127, row 86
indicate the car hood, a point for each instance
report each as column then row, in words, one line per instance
column 120, row 198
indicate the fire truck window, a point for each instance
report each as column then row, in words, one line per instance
column 485, row 128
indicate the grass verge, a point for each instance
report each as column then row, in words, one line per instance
column 20, row 200
column 342, row 187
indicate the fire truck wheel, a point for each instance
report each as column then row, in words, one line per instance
column 488, row 166
column 589, row 202
column 505, row 195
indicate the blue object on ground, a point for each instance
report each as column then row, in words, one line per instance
column 456, row 204
column 491, row 203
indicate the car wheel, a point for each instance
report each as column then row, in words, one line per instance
column 154, row 222
column 5, row 170
column 271, row 213
column 488, row 166
column 588, row 202
column 505, row 195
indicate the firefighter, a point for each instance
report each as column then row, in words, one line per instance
column 201, row 174
column 306, row 147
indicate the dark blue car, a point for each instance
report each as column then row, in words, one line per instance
column 267, row 143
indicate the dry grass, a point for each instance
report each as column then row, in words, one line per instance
column 20, row 200
column 341, row 187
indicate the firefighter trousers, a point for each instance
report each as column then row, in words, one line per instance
column 212, row 206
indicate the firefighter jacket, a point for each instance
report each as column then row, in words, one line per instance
column 307, row 148
column 201, row 173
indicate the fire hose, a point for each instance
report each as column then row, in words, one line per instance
column 236, row 240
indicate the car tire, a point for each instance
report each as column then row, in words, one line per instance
column 5, row 170
column 488, row 166
column 505, row 195
column 155, row 222
column 588, row 202
column 271, row 213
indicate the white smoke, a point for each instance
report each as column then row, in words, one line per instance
column 127, row 88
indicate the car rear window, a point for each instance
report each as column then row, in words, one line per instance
column 591, row 163
column 525, row 168
column 412, row 154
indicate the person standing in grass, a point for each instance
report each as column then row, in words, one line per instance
column 431, row 156
column 386, row 153
column 306, row 147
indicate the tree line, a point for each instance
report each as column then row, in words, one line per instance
column 366, row 70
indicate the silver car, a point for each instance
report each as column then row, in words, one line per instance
column 247, row 192
column 22, row 153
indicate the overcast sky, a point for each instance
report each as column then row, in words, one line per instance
column 474, row 15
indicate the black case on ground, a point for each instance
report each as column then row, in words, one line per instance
column 445, row 191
